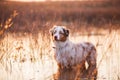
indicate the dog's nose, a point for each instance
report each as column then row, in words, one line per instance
column 55, row 37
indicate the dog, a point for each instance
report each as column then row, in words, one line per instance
column 68, row 54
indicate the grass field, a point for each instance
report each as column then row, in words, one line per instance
column 25, row 45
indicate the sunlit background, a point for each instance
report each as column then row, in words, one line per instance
column 49, row 0
column 25, row 44
column 28, row 0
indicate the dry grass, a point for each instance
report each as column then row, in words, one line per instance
column 25, row 46
column 29, row 57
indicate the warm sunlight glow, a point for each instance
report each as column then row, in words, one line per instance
column 29, row 0
column 46, row 0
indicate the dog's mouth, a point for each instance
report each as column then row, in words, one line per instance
column 55, row 39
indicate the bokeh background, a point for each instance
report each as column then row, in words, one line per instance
column 25, row 44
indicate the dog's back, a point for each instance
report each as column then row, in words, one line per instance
column 72, row 54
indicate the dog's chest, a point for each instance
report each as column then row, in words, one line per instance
column 65, row 55
column 70, row 54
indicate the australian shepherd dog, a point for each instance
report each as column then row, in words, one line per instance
column 68, row 54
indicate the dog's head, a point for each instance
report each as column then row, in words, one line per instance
column 59, row 33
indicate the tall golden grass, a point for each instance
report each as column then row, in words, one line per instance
column 29, row 57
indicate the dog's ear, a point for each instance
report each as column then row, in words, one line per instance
column 51, row 31
column 66, row 32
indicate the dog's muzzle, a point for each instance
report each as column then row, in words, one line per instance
column 56, row 38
